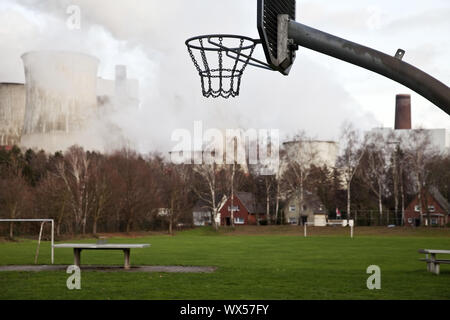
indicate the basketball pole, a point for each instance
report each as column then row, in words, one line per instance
column 391, row 67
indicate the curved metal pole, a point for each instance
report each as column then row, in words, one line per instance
column 376, row 61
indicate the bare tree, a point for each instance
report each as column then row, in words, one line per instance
column 349, row 160
column 14, row 198
column 374, row 171
column 174, row 192
column 419, row 152
column 100, row 188
column 73, row 170
column 52, row 200
column 132, row 187
column 300, row 156
column 269, row 174
column 206, row 188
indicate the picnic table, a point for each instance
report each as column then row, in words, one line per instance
column 77, row 247
column 432, row 262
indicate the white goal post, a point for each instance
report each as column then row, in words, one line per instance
column 344, row 223
column 43, row 221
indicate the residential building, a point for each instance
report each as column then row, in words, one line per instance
column 313, row 212
column 201, row 214
column 435, row 206
column 246, row 210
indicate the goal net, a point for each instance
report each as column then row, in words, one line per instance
column 344, row 223
column 42, row 221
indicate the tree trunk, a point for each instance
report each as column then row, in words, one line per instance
column 11, row 230
column 403, row 205
column 232, row 195
column 84, row 226
column 129, row 225
column 348, row 200
column 60, row 217
column 58, row 229
column 300, row 217
column 94, row 227
column 301, row 200
column 171, row 215
column 396, row 200
column 380, row 203
column 215, row 224
column 277, row 202
column 420, row 204
column 171, row 225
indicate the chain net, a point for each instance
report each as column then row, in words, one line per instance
column 220, row 62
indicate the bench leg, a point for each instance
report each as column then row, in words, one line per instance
column 77, row 256
column 126, row 253
column 432, row 264
column 436, row 268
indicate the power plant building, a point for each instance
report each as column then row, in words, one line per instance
column 439, row 138
column 63, row 102
column 315, row 152
column 121, row 92
column 12, row 112
column 61, row 98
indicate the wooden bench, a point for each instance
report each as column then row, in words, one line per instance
column 432, row 262
column 77, row 247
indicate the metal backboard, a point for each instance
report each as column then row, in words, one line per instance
column 279, row 55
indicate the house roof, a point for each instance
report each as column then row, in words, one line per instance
column 201, row 206
column 311, row 200
column 248, row 199
column 440, row 199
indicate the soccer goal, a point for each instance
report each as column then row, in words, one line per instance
column 42, row 221
column 343, row 223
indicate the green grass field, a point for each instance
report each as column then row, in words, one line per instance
column 266, row 263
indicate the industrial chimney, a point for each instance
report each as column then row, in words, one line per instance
column 403, row 112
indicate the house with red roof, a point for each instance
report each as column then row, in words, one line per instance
column 246, row 210
column 434, row 205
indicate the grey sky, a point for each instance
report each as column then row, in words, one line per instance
column 319, row 95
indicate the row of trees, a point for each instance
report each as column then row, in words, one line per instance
column 88, row 192
column 390, row 168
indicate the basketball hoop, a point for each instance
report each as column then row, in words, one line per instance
column 233, row 53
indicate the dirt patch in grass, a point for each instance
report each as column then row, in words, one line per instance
column 163, row 269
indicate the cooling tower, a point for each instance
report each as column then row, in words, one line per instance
column 61, row 99
column 12, row 111
column 403, row 112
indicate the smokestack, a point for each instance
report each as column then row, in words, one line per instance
column 121, row 81
column 403, row 112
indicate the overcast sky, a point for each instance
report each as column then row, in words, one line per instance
column 320, row 94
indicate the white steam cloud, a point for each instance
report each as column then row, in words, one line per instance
column 148, row 37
